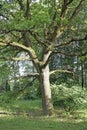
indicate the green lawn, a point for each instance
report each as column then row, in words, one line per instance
column 29, row 117
column 23, row 123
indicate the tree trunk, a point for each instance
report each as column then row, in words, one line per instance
column 46, row 92
column 82, row 74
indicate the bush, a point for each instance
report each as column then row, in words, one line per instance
column 70, row 98
column 32, row 91
column 6, row 99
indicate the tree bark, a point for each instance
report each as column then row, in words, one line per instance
column 82, row 74
column 46, row 92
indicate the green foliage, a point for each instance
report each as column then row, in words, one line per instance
column 70, row 98
column 20, row 90
column 59, row 78
column 5, row 98
column 31, row 91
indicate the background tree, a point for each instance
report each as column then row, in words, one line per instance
column 34, row 27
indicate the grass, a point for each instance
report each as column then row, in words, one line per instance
column 24, row 123
column 29, row 117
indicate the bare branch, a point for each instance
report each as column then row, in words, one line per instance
column 15, row 58
column 21, row 47
column 36, row 37
column 58, row 29
column 21, row 4
column 29, row 75
column 29, row 84
column 32, row 33
column 60, row 71
column 26, row 76
column 28, row 9
column 71, row 40
column 64, row 53
column 21, row 58
column 65, row 7
column 70, row 54
column 69, row 2
column 77, row 9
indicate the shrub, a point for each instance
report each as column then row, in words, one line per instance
column 32, row 91
column 70, row 98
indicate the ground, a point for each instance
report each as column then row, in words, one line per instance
column 27, row 115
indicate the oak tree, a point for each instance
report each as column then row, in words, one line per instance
column 35, row 27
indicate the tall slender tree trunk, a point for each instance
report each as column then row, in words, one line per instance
column 82, row 73
column 46, row 91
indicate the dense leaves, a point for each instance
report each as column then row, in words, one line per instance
column 69, row 97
